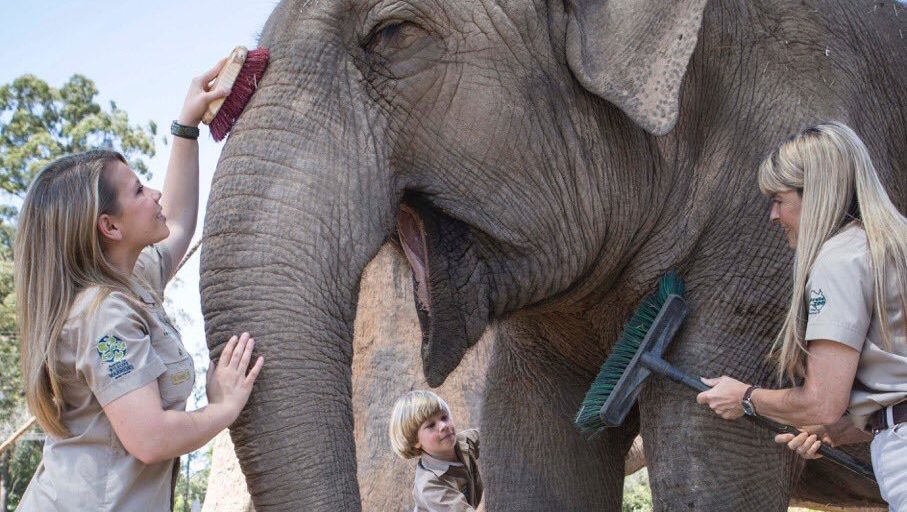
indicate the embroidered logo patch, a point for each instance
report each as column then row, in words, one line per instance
column 113, row 352
column 816, row 301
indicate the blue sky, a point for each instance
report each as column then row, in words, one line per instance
column 141, row 55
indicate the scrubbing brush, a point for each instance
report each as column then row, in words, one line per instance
column 240, row 74
column 638, row 352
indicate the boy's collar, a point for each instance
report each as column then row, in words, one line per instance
column 437, row 466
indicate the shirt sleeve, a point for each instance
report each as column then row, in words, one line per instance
column 154, row 267
column 472, row 442
column 116, row 355
column 438, row 497
column 839, row 299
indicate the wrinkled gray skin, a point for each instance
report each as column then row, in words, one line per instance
column 542, row 164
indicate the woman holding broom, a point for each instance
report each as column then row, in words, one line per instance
column 106, row 373
column 844, row 337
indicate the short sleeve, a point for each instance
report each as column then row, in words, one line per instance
column 471, row 437
column 115, row 356
column 438, row 497
column 839, row 299
column 154, row 267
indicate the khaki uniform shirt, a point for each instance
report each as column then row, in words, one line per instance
column 840, row 308
column 124, row 345
column 442, row 486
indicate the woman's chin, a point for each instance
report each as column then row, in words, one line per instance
column 162, row 235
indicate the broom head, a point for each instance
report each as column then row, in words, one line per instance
column 617, row 385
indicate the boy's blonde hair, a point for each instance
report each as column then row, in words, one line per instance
column 410, row 411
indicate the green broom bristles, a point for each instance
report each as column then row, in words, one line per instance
column 588, row 420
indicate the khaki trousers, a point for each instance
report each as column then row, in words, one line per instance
column 889, row 462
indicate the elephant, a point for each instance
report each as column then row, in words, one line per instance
column 385, row 366
column 540, row 165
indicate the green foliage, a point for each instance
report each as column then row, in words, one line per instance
column 199, row 467
column 39, row 123
column 23, row 460
column 11, row 384
column 637, row 497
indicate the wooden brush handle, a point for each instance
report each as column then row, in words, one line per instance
column 225, row 79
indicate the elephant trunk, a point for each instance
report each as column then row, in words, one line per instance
column 288, row 232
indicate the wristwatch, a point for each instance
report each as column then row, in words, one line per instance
column 748, row 408
column 186, row 132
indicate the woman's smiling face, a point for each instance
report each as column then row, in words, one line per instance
column 139, row 216
column 786, row 213
column 438, row 436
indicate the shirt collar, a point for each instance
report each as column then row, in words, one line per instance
column 143, row 294
column 437, row 466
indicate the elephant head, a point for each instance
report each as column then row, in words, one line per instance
column 508, row 147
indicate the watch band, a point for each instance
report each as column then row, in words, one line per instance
column 748, row 407
column 186, row 132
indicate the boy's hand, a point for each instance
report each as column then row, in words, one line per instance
column 227, row 381
column 200, row 95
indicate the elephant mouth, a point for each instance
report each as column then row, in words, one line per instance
column 448, row 286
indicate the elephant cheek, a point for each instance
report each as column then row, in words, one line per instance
column 411, row 232
column 451, row 313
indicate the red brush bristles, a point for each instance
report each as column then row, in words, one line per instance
column 240, row 94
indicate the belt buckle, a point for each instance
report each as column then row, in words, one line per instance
column 885, row 419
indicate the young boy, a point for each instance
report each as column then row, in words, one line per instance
column 447, row 475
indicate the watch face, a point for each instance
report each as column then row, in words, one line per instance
column 748, row 408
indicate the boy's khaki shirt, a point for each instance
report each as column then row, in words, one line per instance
column 124, row 345
column 442, row 486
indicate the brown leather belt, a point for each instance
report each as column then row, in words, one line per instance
column 879, row 420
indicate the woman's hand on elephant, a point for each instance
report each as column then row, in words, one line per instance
column 228, row 383
column 806, row 444
column 725, row 397
column 200, row 95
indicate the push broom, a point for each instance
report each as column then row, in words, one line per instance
column 639, row 352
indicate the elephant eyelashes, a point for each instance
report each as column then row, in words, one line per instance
column 402, row 49
column 396, row 35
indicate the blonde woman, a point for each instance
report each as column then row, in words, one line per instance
column 844, row 334
column 106, row 373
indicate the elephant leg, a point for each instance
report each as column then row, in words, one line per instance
column 698, row 461
column 532, row 456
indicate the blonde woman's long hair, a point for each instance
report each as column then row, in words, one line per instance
column 830, row 167
column 57, row 254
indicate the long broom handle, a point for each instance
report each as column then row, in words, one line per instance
column 662, row 367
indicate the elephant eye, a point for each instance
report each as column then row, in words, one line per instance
column 402, row 49
column 394, row 36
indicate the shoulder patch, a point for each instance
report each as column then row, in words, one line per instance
column 112, row 351
column 816, row 301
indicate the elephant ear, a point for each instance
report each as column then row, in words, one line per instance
column 634, row 54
